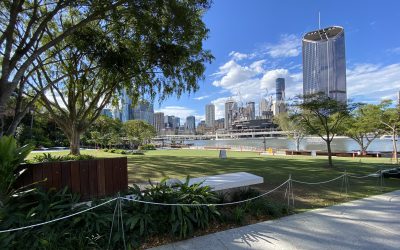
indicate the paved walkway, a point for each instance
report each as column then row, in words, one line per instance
column 370, row 223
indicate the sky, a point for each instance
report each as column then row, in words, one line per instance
column 256, row 41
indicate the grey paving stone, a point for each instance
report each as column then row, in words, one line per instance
column 371, row 223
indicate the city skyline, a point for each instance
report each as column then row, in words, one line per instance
column 250, row 54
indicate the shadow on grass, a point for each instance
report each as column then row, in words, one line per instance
column 274, row 170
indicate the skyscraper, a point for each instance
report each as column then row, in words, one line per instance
column 191, row 124
column 324, row 63
column 144, row 111
column 251, row 110
column 210, row 115
column 280, row 89
column 159, row 124
column 230, row 113
column 279, row 104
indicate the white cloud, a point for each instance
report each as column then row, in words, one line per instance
column 251, row 81
column 394, row 50
column 201, row 97
column 237, row 56
column 288, row 46
column 373, row 82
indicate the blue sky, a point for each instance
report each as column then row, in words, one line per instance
column 256, row 41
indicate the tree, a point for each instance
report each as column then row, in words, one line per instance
column 292, row 125
column 364, row 125
column 323, row 116
column 160, row 55
column 27, row 30
column 160, row 33
column 138, row 132
column 391, row 120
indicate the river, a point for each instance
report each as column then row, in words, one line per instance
column 309, row 143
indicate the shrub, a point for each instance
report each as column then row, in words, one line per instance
column 147, row 147
column 178, row 220
column 52, row 158
column 11, row 156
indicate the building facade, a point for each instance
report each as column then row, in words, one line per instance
column 190, row 124
column 324, row 63
column 231, row 109
column 144, row 111
column 280, row 89
column 210, row 115
column 159, row 124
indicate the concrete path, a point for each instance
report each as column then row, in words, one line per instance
column 370, row 223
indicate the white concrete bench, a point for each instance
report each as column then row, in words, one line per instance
column 228, row 181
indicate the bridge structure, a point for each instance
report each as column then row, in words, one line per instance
column 223, row 135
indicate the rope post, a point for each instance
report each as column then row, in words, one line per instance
column 346, row 182
column 112, row 224
column 122, row 221
column 289, row 193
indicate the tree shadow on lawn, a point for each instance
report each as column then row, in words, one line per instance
column 274, row 171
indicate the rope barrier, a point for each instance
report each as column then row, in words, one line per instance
column 58, row 219
column 321, row 182
column 289, row 192
column 205, row 204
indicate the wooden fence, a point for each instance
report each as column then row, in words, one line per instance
column 91, row 178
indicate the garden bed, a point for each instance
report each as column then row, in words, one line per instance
column 90, row 178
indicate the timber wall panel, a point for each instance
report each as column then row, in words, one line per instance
column 90, row 178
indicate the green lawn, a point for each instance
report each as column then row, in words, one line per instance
column 156, row 165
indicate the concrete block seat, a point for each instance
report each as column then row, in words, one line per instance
column 228, row 181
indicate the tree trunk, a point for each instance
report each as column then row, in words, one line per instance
column 394, row 147
column 328, row 145
column 74, row 143
column 298, row 143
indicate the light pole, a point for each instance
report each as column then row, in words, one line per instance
column 265, row 144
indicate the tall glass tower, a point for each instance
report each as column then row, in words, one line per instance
column 324, row 63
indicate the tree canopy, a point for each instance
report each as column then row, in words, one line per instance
column 149, row 48
column 161, row 40
column 323, row 116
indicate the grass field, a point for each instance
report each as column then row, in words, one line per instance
column 159, row 164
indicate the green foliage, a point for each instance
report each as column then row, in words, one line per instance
column 138, row 132
column 147, row 147
column 292, row 125
column 11, row 156
column 364, row 124
column 178, row 220
column 44, row 131
column 87, row 230
column 321, row 115
column 51, row 158
column 123, row 152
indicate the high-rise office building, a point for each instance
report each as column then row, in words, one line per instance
column 169, row 121
column 177, row 122
column 126, row 105
column 251, row 110
column 190, row 124
column 231, row 109
column 280, row 89
column 159, row 124
column 210, row 115
column 279, row 105
column 324, row 63
column 144, row 111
